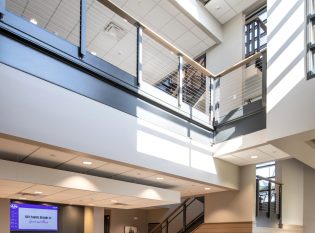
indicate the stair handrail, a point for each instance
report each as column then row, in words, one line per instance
column 240, row 63
column 268, row 179
column 174, row 213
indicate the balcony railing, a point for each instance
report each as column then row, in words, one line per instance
column 161, row 71
column 268, row 202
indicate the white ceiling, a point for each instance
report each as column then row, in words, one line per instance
column 17, row 151
column 224, row 10
column 260, row 154
column 62, row 18
column 45, row 193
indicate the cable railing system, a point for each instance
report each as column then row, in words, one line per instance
column 268, row 201
column 183, row 219
column 162, row 72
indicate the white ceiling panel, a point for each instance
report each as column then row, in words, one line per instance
column 43, row 190
column 224, row 10
column 157, row 18
column 49, row 157
column 78, row 164
column 14, row 150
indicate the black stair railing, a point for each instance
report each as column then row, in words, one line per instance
column 269, row 198
column 182, row 220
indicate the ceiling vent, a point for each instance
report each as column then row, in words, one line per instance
column 30, row 194
column 311, row 143
column 115, row 31
column 120, row 204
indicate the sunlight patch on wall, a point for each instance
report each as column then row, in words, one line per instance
column 286, row 85
column 202, row 161
column 155, row 145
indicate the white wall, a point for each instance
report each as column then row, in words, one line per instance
column 290, row 98
column 4, row 215
column 233, row 206
column 37, row 110
column 223, row 56
column 291, row 174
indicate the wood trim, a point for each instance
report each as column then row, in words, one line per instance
column 227, row 227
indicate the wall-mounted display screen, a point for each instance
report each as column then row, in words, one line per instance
column 30, row 217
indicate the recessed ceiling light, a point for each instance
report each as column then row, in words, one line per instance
column 33, row 21
column 207, row 188
column 93, row 53
column 38, row 192
column 90, row 204
column 114, row 201
column 254, row 157
column 159, row 178
column 22, row 198
column 125, row 20
column 87, row 163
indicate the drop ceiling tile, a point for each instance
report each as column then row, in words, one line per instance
column 138, row 174
column 49, row 157
column 199, row 33
column 233, row 159
column 198, row 49
column 169, row 7
column 218, row 7
column 66, row 195
column 110, row 169
column 185, row 21
column 46, row 190
column 273, row 151
column 14, row 150
column 227, row 16
column 8, row 187
column 157, row 18
column 77, row 165
column 120, row 3
column 140, row 7
column 187, row 40
column 174, row 29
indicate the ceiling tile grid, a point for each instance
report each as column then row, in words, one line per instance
column 224, row 10
column 260, row 154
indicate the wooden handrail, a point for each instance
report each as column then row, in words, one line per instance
column 240, row 64
column 269, row 180
column 116, row 9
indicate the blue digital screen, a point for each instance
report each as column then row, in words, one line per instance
column 29, row 217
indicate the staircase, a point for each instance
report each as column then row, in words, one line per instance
column 184, row 219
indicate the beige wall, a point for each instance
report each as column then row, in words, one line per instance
column 291, row 174
column 4, row 215
column 88, row 220
column 93, row 220
column 233, row 206
column 122, row 218
column 309, row 203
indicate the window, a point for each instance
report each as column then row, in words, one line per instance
column 255, row 36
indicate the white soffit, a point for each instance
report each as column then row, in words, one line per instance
column 19, row 180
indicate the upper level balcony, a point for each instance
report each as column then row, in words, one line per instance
column 102, row 38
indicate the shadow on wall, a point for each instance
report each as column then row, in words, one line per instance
column 286, row 50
